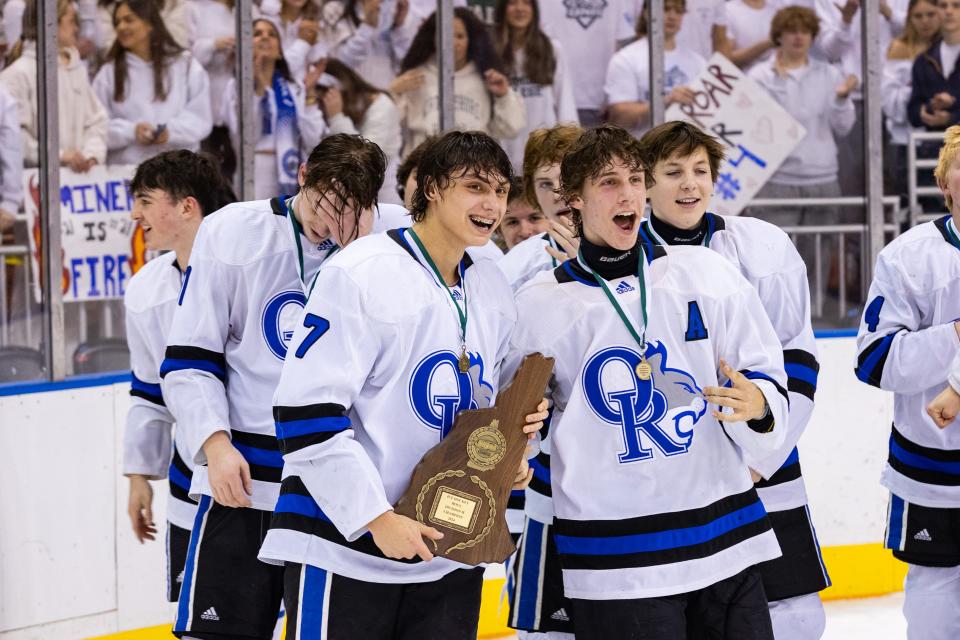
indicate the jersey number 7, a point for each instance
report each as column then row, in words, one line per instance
column 318, row 326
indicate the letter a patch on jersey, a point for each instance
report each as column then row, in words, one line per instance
column 696, row 330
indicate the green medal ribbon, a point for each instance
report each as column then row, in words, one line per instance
column 643, row 369
column 952, row 232
column 464, row 361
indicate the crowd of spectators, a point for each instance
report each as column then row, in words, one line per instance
column 137, row 77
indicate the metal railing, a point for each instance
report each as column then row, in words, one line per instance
column 915, row 164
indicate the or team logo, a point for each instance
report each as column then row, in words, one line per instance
column 657, row 413
column 291, row 164
column 585, row 12
column 438, row 389
column 280, row 319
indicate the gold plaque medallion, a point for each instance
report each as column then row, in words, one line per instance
column 455, row 509
column 644, row 370
column 486, row 447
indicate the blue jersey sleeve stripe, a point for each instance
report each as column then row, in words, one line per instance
column 147, row 391
column 178, row 478
column 919, row 461
column 298, row 428
column 802, row 373
column 170, row 365
column 179, row 358
column 873, row 359
column 540, row 472
column 262, row 457
column 300, row 505
column 661, row 540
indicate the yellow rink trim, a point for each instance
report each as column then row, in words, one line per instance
column 857, row 571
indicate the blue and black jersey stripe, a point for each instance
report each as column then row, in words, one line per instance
column 789, row 470
column 924, row 464
column 663, row 538
column 146, row 390
column 541, row 474
column 179, row 358
column 517, row 499
column 296, row 510
column 180, row 477
column 261, row 452
column 304, row 426
column 871, row 360
column 802, row 371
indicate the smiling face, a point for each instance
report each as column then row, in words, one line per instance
column 470, row 207
column 683, row 188
column 162, row 220
column 132, row 32
column 266, row 40
column 950, row 187
column 611, row 206
column 546, row 181
column 519, row 14
column 520, row 222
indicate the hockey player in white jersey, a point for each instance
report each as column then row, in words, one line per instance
column 403, row 330
column 658, row 523
column 543, row 153
column 172, row 192
column 685, row 161
column 945, row 408
column 909, row 337
column 242, row 294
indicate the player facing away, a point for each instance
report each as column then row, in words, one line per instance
column 403, row 331
column 172, row 192
column 658, row 525
column 684, row 161
column 909, row 336
column 543, row 153
column 242, row 294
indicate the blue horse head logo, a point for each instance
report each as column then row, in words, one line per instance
column 659, row 412
column 438, row 389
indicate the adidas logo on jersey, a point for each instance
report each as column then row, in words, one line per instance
column 456, row 294
column 623, row 287
column 560, row 615
column 210, row 614
column 923, row 536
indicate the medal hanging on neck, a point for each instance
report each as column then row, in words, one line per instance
column 463, row 363
column 643, row 369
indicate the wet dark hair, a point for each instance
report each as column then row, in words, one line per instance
column 409, row 165
column 480, row 49
column 684, row 138
column 182, row 174
column 453, row 155
column 163, row 49
column 349, row 166
column 593, row 153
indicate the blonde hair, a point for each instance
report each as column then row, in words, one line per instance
column 948, row 153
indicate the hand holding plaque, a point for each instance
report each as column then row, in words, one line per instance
column 462, row 485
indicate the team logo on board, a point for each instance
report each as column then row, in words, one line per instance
column 658, row 413
column 438, row 389
column 279, row 320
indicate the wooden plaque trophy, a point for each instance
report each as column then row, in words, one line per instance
column 462, row 485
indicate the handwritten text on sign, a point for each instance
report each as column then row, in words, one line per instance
column 96, row 230
column 758, row 133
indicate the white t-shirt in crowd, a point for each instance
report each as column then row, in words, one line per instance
column 589, row 31
column 948, row 57
column 628, row 75
column 696, row 32
column 747, row 26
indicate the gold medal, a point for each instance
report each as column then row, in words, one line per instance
column 464, row 361
column 644, row 370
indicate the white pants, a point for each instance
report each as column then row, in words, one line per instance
column 932, row 603
column 800, row 618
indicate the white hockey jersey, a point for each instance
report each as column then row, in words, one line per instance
column 372, row 385
column 150, row 300
column 769, row 261
column 906, row 344
column 652, row 495
column 954, row 377
column 242, row 296
column 527, row 259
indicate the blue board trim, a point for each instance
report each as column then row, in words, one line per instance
column 74, row 382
